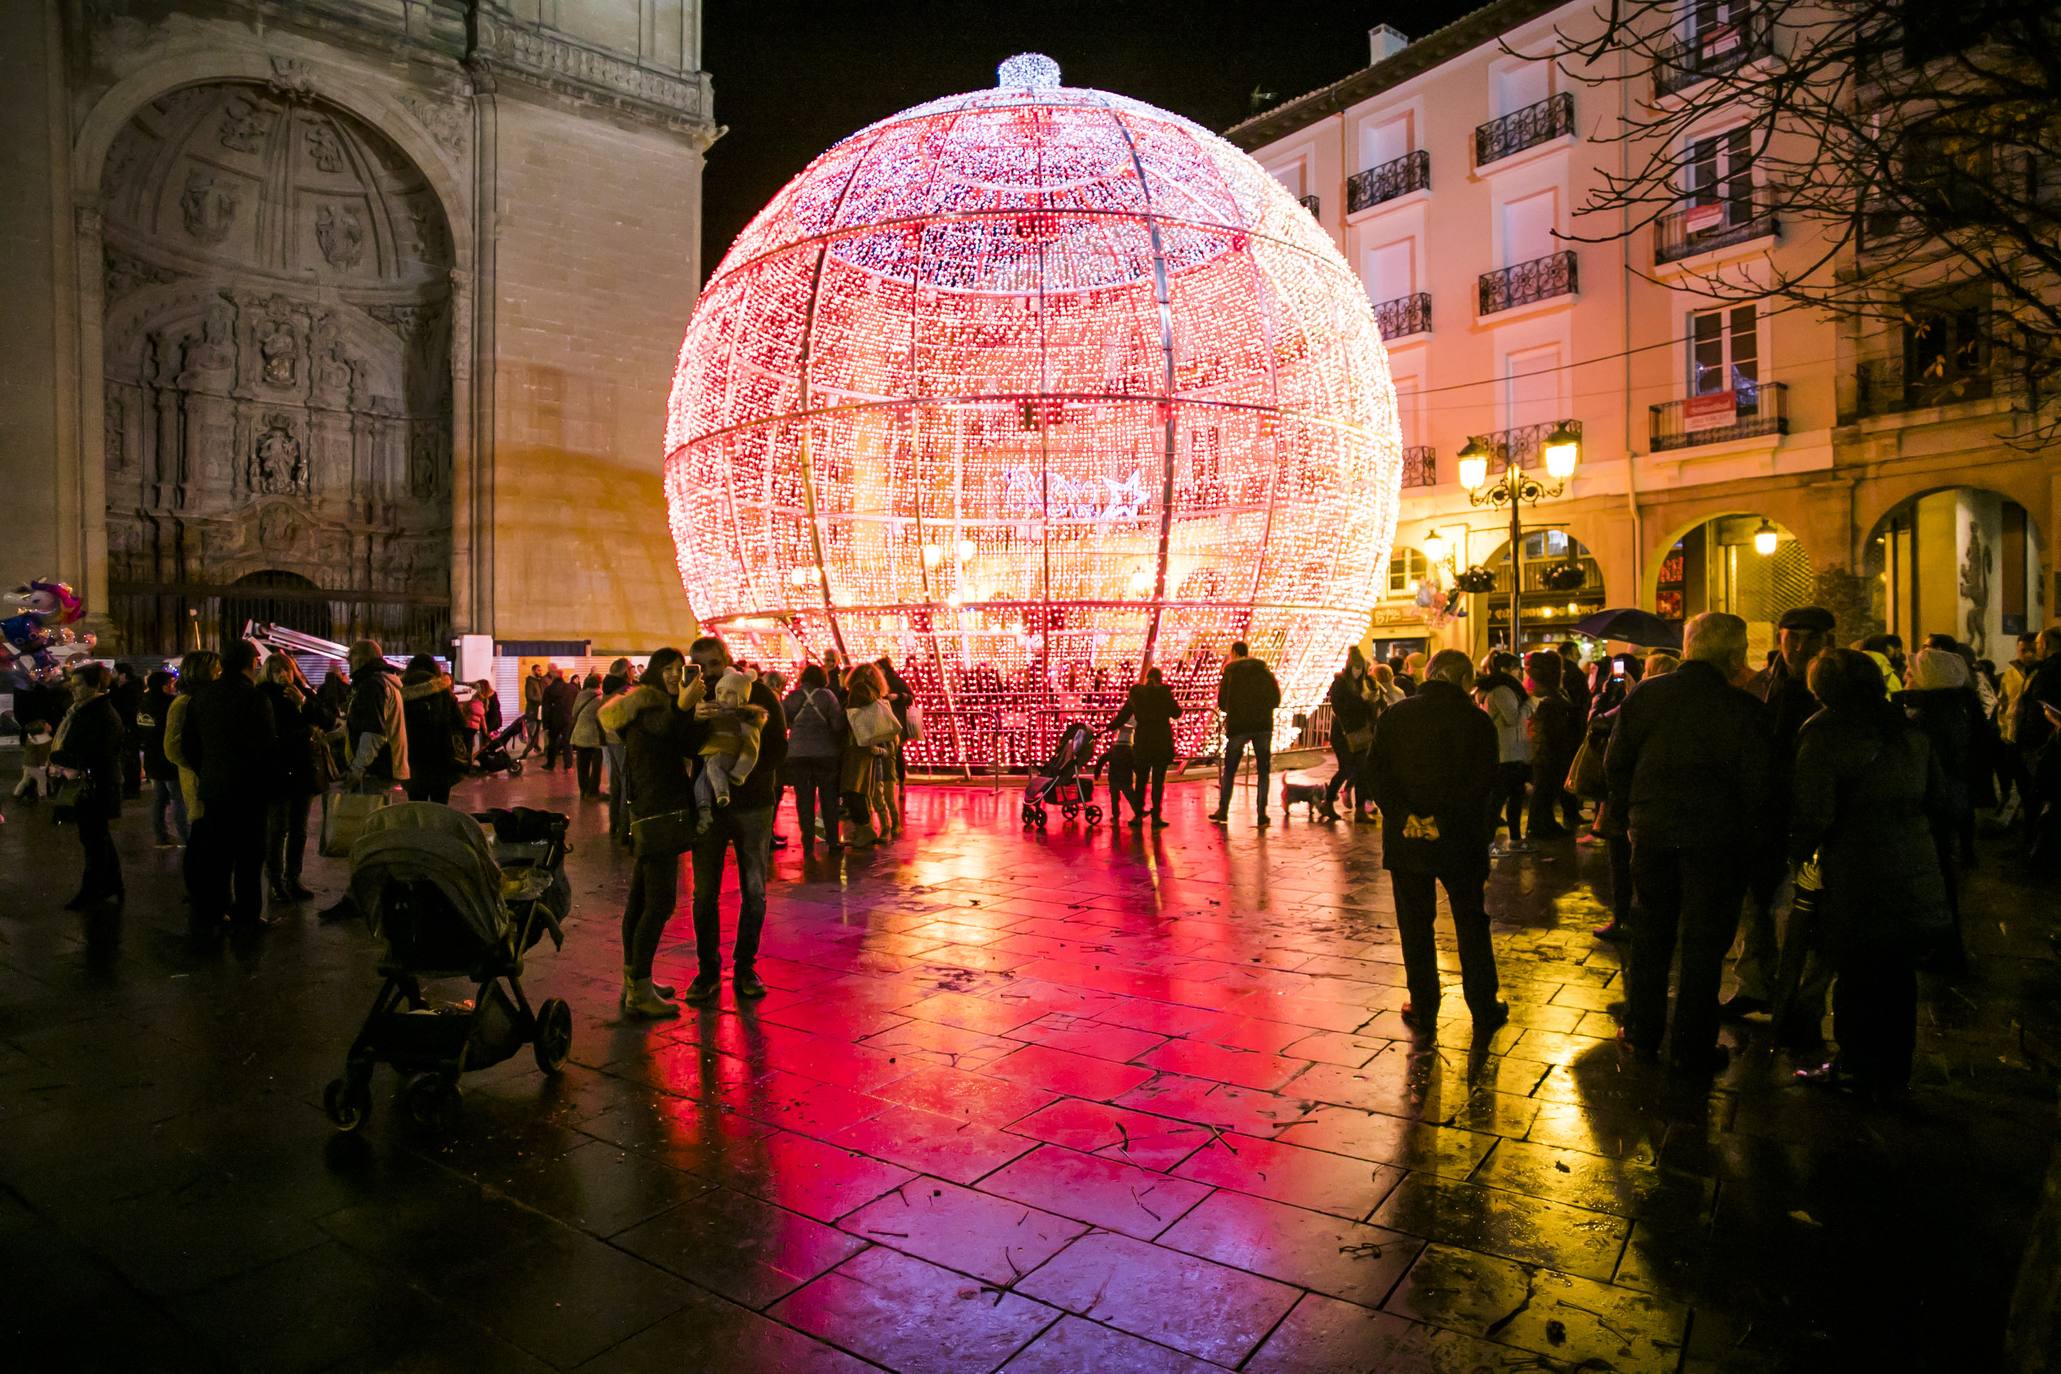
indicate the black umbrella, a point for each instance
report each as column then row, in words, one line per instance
column 1632, row 626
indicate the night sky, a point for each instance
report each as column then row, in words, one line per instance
column 793, row 78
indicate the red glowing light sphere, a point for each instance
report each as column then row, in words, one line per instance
column 1032, row 388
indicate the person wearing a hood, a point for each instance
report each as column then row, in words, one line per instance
column 376, row 724
column 658, row 737
column 587, row 740
column 88, row 745
column 1247, row 694
column 1945, row 710
column 1867, row 789
column 1800, row 635
column 1509, row 707
column 436, row 731
column 1687, row 769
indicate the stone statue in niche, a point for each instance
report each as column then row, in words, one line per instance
column 324, row 148
column 1975, row 590
column 340, row 234
column 213, row 354
column 334, row 370
column 279, row 351
column 424, row 453
column 245, row 122
column 278, row 466
column 208, row 206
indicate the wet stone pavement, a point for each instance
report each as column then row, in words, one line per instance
column 1054, row 1102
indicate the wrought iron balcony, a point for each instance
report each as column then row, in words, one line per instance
column 1525, row 128
column 1885, row 386
column 1715, row 51
column 1741, row 413
column 1420, row 466
column 1704, row 228
column 1404, row 315
column 1538, row 280
column 1520, row 444
column 1410, row 172
column 1312, row 204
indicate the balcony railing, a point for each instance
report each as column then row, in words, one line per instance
column 1404, row 315
column 1705, row 228
column 1538, row 280
column 1741, row 413
column 1884, row 386
column 1521, row 444
column 1715, row 51
column 1420, row 466
column 1525, row 128
column 1312, row 204
column 1410, row 172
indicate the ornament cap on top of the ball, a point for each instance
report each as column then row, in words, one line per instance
column 1028, row 71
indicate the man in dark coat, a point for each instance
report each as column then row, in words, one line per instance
column 159, row 771
column 1688, row 770
column 1247, row 695
column 1799, row 636
column 232, row 743
column 1434, row 771
column 127, row 698
column 743, row 828
column 1152, row 707
column 559, row 696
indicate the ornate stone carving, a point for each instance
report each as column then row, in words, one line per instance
column 1975, row 575
column 554, row 62
column 112, row 439
column 291, row 79
column 125, row 272
column 208, row 205
column 404, row 320
column 427, row 222
column 334, row 370
column 279, row 346
column 277, row 463
column 324, row 149
column 340, row 234
column 446, row 123
column 425, row 462
column 210, row 359
column 277, row 530
column 246, row 121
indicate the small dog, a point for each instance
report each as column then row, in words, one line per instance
column 1310, row 794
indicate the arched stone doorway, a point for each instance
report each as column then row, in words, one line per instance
column 1963, row 561
column 1745, row 564
column 276, row 346
column 1562, row 583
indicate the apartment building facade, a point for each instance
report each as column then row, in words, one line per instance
column 1741, row 457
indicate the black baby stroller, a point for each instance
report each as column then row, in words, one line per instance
column 506, row 748
column 449, row 904
column 1064, row 780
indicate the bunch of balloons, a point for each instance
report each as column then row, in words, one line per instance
column 37, row 630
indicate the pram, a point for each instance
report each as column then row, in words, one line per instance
column 449, row 904
column 1063, row 781
column 506, row 748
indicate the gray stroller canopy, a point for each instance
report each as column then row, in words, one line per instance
column 422, row 841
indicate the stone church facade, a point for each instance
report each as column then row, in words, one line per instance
column 353, row 315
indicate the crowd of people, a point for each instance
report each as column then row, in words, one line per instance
column 1819, row 812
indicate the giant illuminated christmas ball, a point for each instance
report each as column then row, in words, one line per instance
column 1030, row 389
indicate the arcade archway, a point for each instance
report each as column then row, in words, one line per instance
column 1746, row 564
column 1963, row 561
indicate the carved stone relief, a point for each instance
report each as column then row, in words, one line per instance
column 280, row 399
column 446, row 123
column 340, row 234
column 208, row 206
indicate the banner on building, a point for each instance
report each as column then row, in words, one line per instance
column 1717, row 410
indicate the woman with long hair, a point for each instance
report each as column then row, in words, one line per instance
column 869, row 782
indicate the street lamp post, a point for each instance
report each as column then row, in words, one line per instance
column 1516, row 488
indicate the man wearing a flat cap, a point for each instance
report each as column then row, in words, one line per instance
column 1800, row 634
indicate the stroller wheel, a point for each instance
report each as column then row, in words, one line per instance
column 554, row 1034
column 432, row 1104
column 348, row 1104
column 1038, row 815
column 1069, row 810
column 1094, row 815
column 1030, row 815
column 515, row 768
